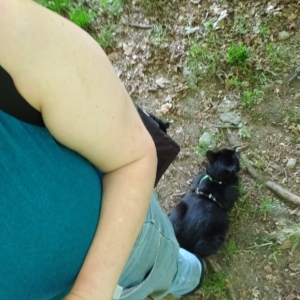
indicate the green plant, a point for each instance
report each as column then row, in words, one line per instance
column 158, row 34
column 202, row 61
column 208, row 25
column 234, row 81
column 245, row 205
column 231, row 247
column 105, row 39
column 290, row 233
column 287, row 237
column 293, row 116
column 240, row 24
column 251, row 97
column 81, row 17
column 263, row 31
column 266, row 206
column 215, row 284
column 244, row 133
column 238, row 55
column 201, row 149
column 59, row 6
column 277, row 57
column 113, row 7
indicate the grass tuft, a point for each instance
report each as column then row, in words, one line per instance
column 238, row 55
column 58, row 6
column 251, row 97
column 215, row 284
column 81, row 17
column 158, row 35
column 105, row 39
column 112, row 7
column 231, row 248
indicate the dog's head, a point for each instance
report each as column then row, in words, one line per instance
column 223, row 165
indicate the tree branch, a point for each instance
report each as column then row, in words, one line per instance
column 276, row 189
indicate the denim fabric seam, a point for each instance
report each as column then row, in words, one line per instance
column 130, row 291
column 161, row 231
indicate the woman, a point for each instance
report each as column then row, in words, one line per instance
column 68, row 230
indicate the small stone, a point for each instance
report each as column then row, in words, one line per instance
column 165, row 108
column 180, row 20
column 277, row 14
column 207, row 139
column 225, row 106
column 291, row 163
column 230, row 117
column 283, row 35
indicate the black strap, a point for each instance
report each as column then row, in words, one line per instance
column 14, row 104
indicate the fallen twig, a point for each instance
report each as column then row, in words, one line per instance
column 141, row 26
column 279, row 191
column 225, row 126
column 294, row 76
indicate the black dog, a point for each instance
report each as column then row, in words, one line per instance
column 200, row 219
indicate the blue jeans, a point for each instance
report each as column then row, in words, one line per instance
column 157, row 266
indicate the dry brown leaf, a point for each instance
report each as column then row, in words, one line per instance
column 294, row 211
column 271, row 278
column 286, row 245
column 292, row 17
column 294, row 267
column 268, row 269
column 290, row 297
column 128, row 48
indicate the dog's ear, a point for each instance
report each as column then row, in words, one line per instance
column 210, row 155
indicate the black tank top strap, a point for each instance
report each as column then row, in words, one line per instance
column 14, row 104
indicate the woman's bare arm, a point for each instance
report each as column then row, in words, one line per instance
column 61, row 71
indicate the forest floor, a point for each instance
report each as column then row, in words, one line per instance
column 189, row 62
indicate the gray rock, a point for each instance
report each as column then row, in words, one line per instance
column 283, row 35
column 230, row 117
column 291, row 163
column 225, row 106
column 208, row 140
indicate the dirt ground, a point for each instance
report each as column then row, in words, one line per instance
column 260, row 260
column 151, row 50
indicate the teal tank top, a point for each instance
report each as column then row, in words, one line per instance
column 50, row 200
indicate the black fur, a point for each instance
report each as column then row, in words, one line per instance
column 200, row 224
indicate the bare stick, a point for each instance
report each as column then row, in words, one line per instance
column 294, row 76
column 224, row 126
column 141, row 26
column 282, row 193
column 279, row 191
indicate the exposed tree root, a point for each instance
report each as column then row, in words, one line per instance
column 294, row 76
column 279, row 191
